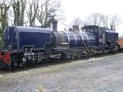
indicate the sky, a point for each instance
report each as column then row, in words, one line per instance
column 83, row 8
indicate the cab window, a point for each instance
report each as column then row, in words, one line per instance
column 90, row 30
column 100, row 32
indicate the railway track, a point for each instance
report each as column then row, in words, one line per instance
column 25, row 68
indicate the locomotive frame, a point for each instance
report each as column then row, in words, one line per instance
column 59, row 45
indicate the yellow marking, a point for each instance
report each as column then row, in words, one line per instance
column 79, row 50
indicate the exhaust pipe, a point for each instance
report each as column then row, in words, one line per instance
column 54, row 23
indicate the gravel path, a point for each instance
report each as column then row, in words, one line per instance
column 104, row 74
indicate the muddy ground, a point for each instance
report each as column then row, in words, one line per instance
column 104, row 74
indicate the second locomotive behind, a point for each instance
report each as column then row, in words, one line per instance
column 32, row 45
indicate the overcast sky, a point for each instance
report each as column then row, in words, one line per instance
column 83, row 8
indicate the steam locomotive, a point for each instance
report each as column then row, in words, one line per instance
column 32, row 45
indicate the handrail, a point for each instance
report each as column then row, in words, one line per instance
column 84, row 42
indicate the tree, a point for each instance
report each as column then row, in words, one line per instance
column 4, row 7
column 114, row 21
column 77, row 21
column 32, row 12
column 86, row 21
column 47, row 7
column 105, row 20
column 95, row 18
column 19, row 10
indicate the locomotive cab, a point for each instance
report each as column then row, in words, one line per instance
column 106, row 39
column 93, row 34
column 98, row 32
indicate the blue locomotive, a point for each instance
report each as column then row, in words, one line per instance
column 32, row 45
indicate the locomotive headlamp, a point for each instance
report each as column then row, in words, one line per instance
column 29, row 57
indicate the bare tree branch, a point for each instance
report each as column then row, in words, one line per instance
column 32, row 12
column 19, row 10
column 107, row 21
column 4, row 7
column 47, row 7
column 114, row 21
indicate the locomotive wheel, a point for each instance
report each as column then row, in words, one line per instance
column 104, row 50
column 54, row 60
column 14, row 65
column 63, row 57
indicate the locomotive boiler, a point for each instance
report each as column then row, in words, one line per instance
column 32, row 45
column 91, row 40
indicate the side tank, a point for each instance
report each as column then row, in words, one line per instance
column 18, row 36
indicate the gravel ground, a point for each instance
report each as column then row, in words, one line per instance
column 104, row 74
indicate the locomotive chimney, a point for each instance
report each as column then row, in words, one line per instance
column 70, row 29
column 54, row 23
column 76, row 27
